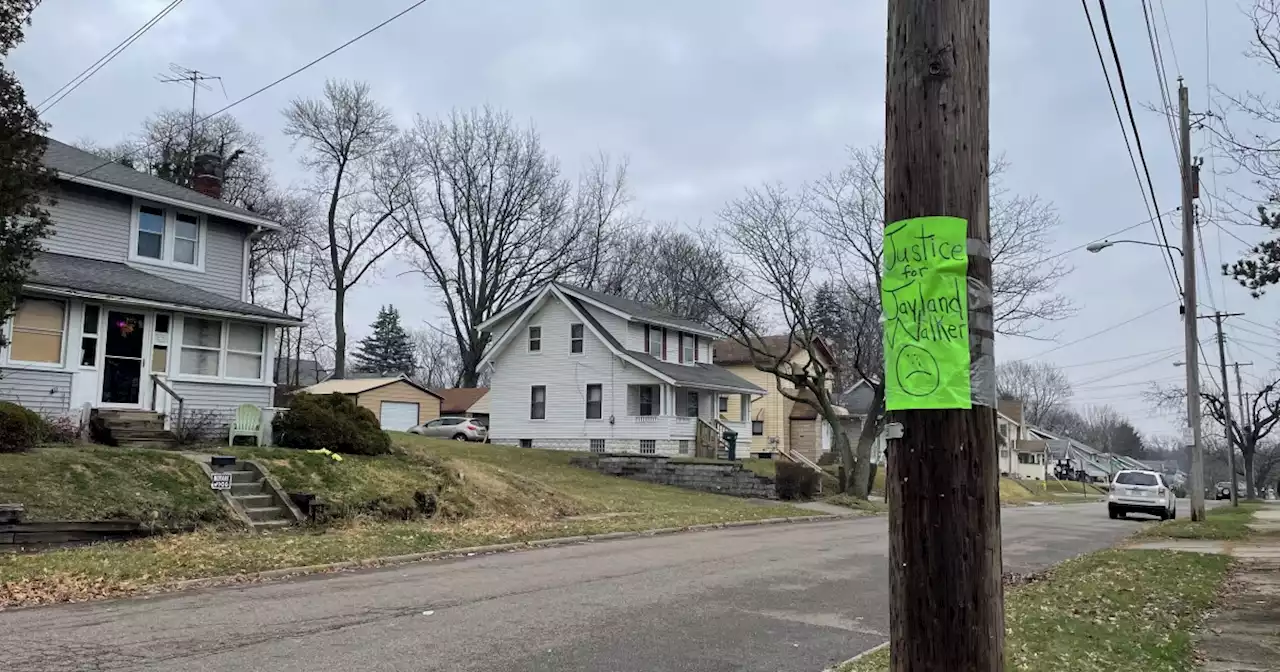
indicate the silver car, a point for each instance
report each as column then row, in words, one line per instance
column 1135, row 491
column 456, row 428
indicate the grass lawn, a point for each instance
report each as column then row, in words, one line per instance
column 1111, row 610
column 101, row 483
column 851, row 502
column 1221, row 523
column 502, row 494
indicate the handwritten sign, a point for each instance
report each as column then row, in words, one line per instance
column 220, row 480
column 926, row 314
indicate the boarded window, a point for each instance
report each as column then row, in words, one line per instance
column 37, row 331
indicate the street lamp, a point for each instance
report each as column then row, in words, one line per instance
column 1192, row 341
column 1104, row 244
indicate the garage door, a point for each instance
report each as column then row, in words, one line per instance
column 399, row 416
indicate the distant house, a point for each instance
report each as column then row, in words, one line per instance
column 1022, row 453
column 472, row 402
column 397, row 402
column 857, row 401
column 1170, row 468
column 1073, row 460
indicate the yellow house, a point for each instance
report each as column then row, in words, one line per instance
column 777, row 423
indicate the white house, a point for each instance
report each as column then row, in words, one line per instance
column 576, row 369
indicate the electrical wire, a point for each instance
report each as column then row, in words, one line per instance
column 1162, row 78
column 1117, row 359
column 102, row 61
column 1100, row 332
column 280, row 80
column 1172, row 266
column 1256, row 324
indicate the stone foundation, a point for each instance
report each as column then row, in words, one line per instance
column 727, row 478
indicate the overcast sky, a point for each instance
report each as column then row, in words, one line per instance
column 708, row 97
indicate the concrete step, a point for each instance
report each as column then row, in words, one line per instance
column 254, row 501
column 130, row 416
column 156, row 444
column 264, row 513
column 242, row 477
column 127, row 434
column 271, row 524
column 245, row 489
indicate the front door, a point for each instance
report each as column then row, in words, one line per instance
column 122, row 359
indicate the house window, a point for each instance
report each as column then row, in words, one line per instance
column 597, row 445
column 646, row 401
column 724, row 404
column 89, row 336
column 1026, row 458
column 244, row 350
column 535, row 339
column 538, row 403
column 575, row 339
column 655, row 342
column 595, row 395
column 201, row 347
column 757, row 428
column 526, row 443
column 168, row 236
column 648, row 446
column 160, row 344
column 151, row 232
column 186, row 238
column 687, row 346
column 691, row 404
column 684, row 446
column 37, row 331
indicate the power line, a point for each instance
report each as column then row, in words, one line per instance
column 1233, row 235
column 1257, row 324
column 281, row 80
column 1116, row 359
column 1130, row 369
column 1172, row 49
column 1162, row 77
column 1100, row 332
column 103, row 60
column 1171, row 267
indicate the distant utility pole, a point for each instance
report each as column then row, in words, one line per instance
column 1189, row 306
column 1227, row 418
column 946, row 604
column 197, row 81
column 1244, row 420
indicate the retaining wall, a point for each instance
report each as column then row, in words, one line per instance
column 727, row 478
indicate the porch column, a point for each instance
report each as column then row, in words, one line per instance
column 668, row 400
column 744, row 408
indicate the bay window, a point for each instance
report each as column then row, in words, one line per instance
column 38, row 329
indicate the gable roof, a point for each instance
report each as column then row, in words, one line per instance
column 81, row 167
column 729, row 352
column 360, row 385
column 459, row 399
column 79, row 276
column 635, row 310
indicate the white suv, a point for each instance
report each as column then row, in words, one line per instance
column 1141, row 492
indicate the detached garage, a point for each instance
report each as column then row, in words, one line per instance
column 398, row 403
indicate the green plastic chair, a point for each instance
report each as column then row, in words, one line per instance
column 248, row 422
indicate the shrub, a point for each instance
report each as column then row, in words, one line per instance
column 60, row 429
column 796, row 481
column 20, row 428
column 331, row 421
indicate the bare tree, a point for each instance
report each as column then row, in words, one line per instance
column 667, row 268
column 349, row 139
column 769, row 238
column 600, row 217
column 1042, row 388
column 439, row 364
column 295, row 266
column 488, row 219
column 1260, row 414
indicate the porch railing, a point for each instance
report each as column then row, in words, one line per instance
column 157, row 381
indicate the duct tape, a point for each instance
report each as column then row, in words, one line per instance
column 982, row 359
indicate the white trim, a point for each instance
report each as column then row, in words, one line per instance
column 169, row 235
column 151, row 196
column 62, row 365
column 507, row 335
column 582, row 340
column 204, row 380
column 529, row 339
column 503, row 314
column 165, row 305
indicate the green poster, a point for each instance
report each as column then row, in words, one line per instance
column 926, row 313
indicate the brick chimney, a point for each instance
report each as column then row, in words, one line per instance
column 207, row 177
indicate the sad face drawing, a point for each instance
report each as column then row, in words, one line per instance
column 917, row 371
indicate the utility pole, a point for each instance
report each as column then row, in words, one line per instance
column 1189, row 306
column 1245, row 416
column 1227, row 418
column 946, row 606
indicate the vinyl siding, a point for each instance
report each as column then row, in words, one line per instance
column 566, row 376
column 97, row 224
column 215, row 404
column 773, row 408
column 45, row 392
column 428, row 406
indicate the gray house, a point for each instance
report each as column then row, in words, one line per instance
column 141, row 287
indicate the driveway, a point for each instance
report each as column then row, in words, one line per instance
column 790, row 597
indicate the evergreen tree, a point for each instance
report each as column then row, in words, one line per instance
column 831, row 320
column 388, row 350
column 23, row 177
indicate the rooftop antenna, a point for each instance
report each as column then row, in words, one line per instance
column 196, row 79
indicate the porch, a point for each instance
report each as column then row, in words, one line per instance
column 696, row 418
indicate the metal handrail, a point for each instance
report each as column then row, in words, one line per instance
column 156, row 380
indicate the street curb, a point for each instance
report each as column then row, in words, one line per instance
column 856, row 658
column 388, row 561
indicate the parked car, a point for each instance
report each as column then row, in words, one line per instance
column 458, row 429
column 1222, row 490
column 1135, row 491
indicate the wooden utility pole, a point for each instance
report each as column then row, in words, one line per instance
column 1190, row 337
column 946, row 603
column 1227, row 418
column 1245, row 417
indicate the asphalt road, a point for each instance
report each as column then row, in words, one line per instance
column 791, row 597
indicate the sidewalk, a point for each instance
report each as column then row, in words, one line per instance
column 1243, row 634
